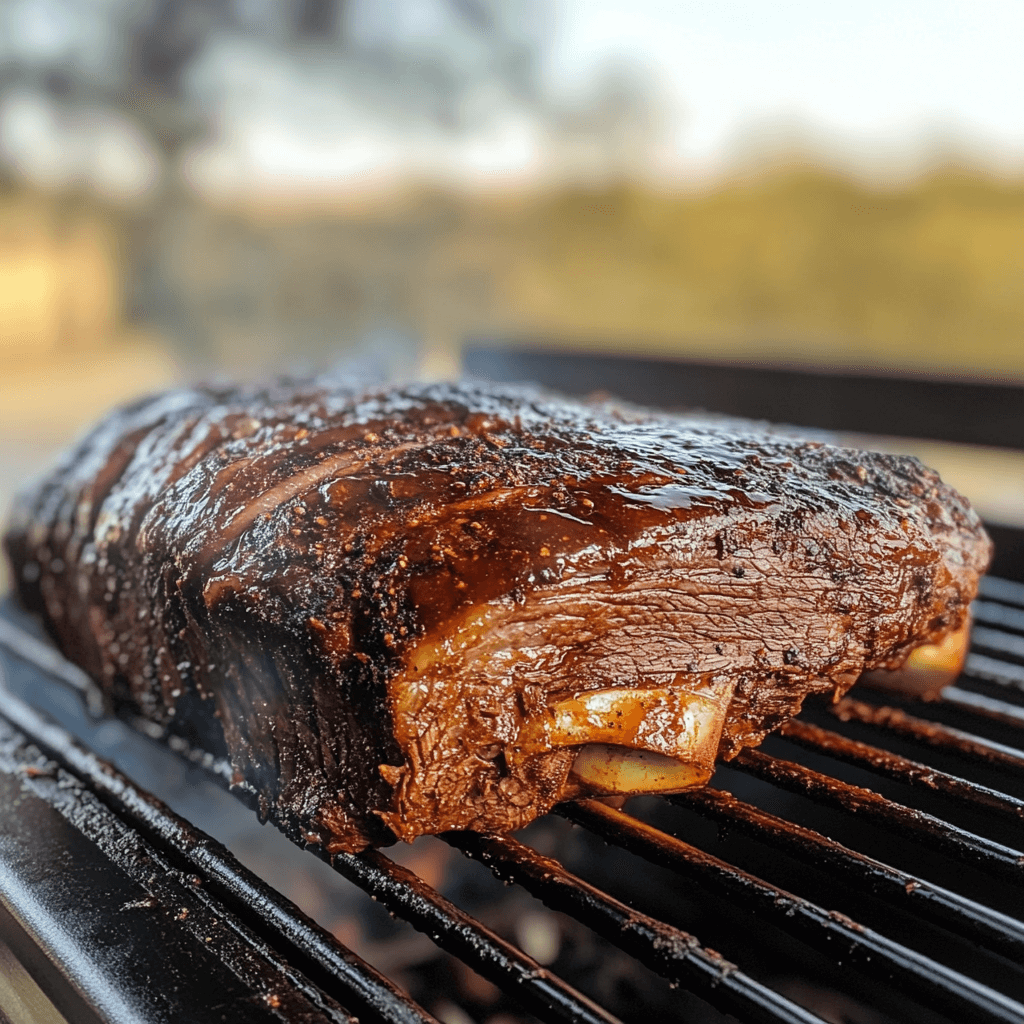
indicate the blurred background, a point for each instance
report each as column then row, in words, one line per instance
column 230, row 188
column 196, row 188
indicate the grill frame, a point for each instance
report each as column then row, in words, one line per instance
column 318, row 960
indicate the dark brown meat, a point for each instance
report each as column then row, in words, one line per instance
column 376, row 601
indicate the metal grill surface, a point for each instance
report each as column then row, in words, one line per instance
column 877, row 844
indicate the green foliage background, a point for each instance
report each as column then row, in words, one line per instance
column 802, row 264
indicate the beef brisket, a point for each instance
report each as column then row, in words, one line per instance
column 416, row 610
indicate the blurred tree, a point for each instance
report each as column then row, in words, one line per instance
column 402, row 61
column 177, row 75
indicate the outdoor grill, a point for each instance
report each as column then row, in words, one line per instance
column 865, row 865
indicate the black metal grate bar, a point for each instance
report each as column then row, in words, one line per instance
column 984, row 707
column 409, row 897
column 996, row 671
column 997, row 589
column 1001, row 861
column 931, row 983
column 670, row 951
column 998, row 641
column 950, row 910
column 991, row 613
column 330, row 964
column 65, row 887
column 45, row 657
column 933, row 734
column 902, row 769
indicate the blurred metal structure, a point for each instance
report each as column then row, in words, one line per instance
column 946, row 409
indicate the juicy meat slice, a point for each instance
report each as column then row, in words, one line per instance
column 416, row 610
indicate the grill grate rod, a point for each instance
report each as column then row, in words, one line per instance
column 932, row 734
column 902, row 769
column 991, row 613
column 995, row 671
column 325, row 960
column 92, row 957
column 669, row 951
column 41, row 654
column 407, row 896
column 950, row 910
column 1001, row 861
column 984, row 707
column 998, row 641
column 997, row 589
column 876, row 956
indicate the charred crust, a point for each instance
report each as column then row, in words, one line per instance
column 261, row 571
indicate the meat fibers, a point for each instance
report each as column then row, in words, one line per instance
column 452, row 606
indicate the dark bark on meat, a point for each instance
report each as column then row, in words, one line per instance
column 365, row 597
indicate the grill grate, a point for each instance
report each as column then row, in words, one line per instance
column 1001, row 861
column 900, row 889
column 289, row 949
column 933, row 734
column 872, row 953
column 892, row 766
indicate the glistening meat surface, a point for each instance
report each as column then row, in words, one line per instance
column 417, row 610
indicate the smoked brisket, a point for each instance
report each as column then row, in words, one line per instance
column 374, row 602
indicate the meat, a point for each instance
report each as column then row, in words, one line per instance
column 451, row 606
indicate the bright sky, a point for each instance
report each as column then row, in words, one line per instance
column 875, row 81
column 871, row 74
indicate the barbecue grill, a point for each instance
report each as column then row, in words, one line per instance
column 865, row 864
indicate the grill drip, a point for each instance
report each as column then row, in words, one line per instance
column 296, row 970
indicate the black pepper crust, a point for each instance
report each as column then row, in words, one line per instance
column 361, row 597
